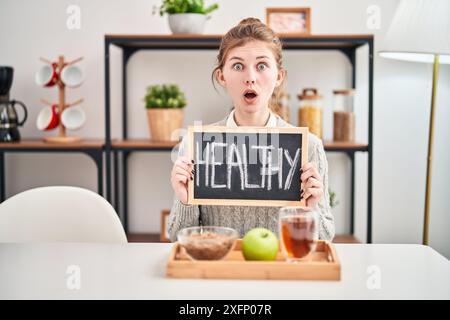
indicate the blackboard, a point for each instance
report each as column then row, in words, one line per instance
column 256, row 166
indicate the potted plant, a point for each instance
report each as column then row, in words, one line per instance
column 186, row 16
column 164, row 105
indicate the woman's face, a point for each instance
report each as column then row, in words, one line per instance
column 250, row 74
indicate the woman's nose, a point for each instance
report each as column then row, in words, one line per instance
column 250, row 77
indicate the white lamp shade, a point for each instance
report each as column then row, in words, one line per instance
column 419, row 30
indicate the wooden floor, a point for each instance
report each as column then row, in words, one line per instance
column 154, row 237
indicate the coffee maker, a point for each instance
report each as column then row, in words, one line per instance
column 9, row 121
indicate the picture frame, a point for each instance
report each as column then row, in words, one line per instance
column 164, row 235
column 289, row 21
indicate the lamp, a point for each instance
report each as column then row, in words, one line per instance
column 420, row 32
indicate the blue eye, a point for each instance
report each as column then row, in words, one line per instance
column 237, row 67
column 262, row 67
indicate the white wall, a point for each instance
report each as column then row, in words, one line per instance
column 30, row 29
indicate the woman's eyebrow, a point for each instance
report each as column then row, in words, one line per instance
column 259, row 57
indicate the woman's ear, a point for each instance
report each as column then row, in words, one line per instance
column 220, row 78
column 280, row 77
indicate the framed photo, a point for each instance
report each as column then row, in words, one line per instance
column 164, row 235
column 289, row 20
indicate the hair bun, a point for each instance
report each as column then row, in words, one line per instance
column 250, row 21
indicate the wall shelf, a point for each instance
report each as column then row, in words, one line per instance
column 142, row 144
column 345, row 146
column 148, row 144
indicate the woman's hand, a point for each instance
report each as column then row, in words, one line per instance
column 182, row 171
column 312, row 184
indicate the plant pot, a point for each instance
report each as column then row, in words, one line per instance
column 163, row 122
column 187, row 23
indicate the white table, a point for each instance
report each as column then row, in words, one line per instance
column 137, row 271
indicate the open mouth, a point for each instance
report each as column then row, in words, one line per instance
column 250, row 95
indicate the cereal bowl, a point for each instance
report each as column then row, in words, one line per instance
column 207, row 242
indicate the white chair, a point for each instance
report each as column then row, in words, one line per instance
column 59, row 214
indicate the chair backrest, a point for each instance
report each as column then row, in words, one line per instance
column 59, row 214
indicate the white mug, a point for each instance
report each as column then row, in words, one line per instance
column 73, row 118
column 47, row 75
column 72, row 76
column 48, row 118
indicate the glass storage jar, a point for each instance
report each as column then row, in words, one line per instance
column 343, row 115
column 310, row 113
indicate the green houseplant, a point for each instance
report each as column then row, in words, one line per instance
column 164, row 104
column 186, row 16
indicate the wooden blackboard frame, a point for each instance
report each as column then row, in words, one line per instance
column 259, row 130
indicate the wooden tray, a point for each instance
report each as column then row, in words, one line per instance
column 324, row 265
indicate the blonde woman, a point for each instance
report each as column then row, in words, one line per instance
column 249, row 67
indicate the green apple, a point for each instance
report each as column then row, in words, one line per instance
column 260, row 244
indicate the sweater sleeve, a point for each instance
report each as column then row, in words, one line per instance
column 182, row 215
column 326, row 219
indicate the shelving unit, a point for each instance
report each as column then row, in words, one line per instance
column 92, row 148
column 129, row 44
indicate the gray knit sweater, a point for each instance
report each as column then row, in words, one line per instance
column 244, row 218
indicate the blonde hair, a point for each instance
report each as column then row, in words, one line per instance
column 251, row 29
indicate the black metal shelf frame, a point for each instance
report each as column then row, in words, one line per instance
column 96, row 154
column 131, row 44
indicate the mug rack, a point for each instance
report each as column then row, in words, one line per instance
column 61, row 105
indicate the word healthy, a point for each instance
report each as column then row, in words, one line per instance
column 271, row 164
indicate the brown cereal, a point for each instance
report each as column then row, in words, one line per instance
column 208, row 245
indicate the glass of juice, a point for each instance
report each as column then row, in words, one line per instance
column 299, row 232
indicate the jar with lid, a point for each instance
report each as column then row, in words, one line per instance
column 310, row 113
column 343, row 115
